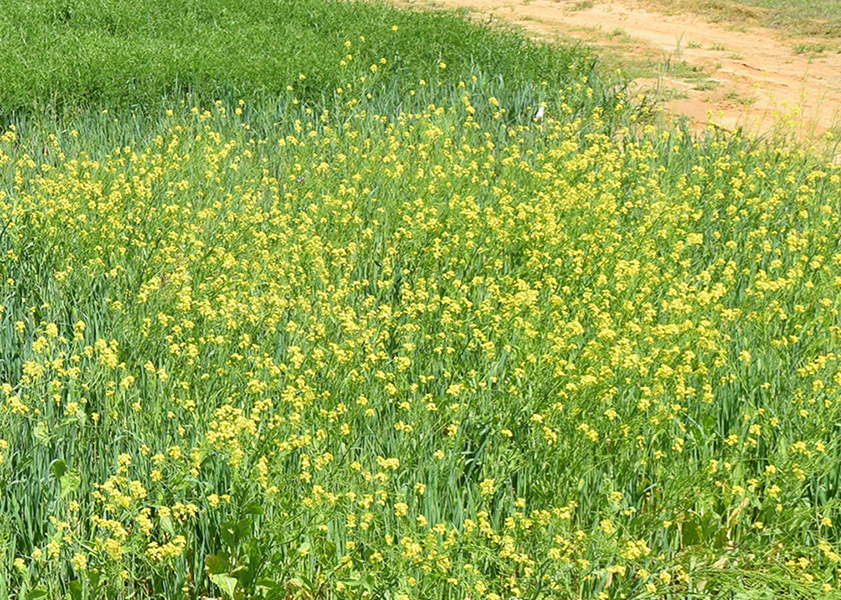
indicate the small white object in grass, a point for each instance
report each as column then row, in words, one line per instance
column 539, row 115
column 836, row 160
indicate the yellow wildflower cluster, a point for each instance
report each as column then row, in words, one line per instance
column 423, row 349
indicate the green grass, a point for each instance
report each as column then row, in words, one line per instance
column 811, row 48
column 68, row 53
column 797, row 17
column 396, row 338
column 706, row 84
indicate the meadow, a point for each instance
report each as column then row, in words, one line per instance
column 356, row 324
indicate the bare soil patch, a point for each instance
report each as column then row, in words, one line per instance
column 732, row 76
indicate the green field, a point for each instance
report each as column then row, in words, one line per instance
column 60, row 55
column 299, row 299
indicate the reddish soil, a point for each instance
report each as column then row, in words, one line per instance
column 732, row 76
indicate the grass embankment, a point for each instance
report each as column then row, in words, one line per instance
column 401, row 341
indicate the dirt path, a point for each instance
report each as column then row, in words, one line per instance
column 748, row 77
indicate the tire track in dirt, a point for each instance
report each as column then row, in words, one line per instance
column 750, row 78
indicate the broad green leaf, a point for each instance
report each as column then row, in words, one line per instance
column 38, row 593
column 75, row 590
column 93, row 576
column 59, row 468
column 167, row 525
column 70, row 482
column 226, row 583
column 254, row 509
column 216, row 564
column 41, row 433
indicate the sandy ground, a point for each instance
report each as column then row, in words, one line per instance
column 733, row 76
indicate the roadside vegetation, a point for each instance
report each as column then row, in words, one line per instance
column 414, row 310
column 821, row 18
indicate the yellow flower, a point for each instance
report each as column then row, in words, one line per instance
column 79, row 562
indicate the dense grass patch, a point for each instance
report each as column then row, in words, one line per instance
column 60, row 53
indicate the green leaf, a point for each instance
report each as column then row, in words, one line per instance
column 38, row 593
column 70, row 482
column 369, row 582
column 81, row 417
column 59, row 468
column 93, row 577
column 254, row 509
column 226, row 583
column 233, row 532
column 75, row 590
column 265, row 582
column 41, row 434
column 216, row 564
column 167, row 525
column 691, row 533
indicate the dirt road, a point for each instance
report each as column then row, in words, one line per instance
column 733, row 75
